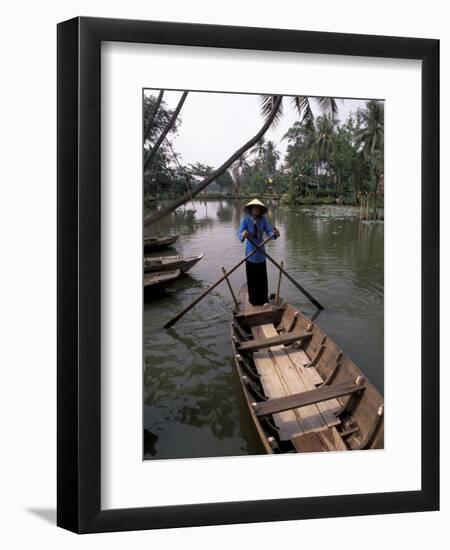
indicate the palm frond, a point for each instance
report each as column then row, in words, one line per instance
column 259, row 148
column 267, row 103
column 328, row 106
column 303, row 106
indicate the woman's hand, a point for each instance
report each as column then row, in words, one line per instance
column 244, row 234
column 276, row 232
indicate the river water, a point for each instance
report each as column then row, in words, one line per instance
column 193, row 402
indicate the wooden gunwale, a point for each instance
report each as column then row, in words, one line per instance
column 170, row 263
column 157, row 243
column 155, row 279
column 262, row 435
column 356, row 424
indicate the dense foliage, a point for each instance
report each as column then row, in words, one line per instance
column 325, row 161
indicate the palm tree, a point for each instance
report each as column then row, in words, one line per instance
column 324, row 145
column 259, row 150
column 266, row 154
column 153, row 115
column 302, row 104
column 236, row 171
column 153, row 218
column 163, row 135
column 272, row 110
column 371, row 139
column 372, row 134
column 272, row 156
column 324, row 138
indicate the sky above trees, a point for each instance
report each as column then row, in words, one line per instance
column 214, row 125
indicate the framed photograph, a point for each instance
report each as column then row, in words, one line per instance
column 248, row 274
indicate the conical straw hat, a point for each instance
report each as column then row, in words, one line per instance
column 255, row 202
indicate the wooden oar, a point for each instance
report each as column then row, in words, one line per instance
column 293, row 281
column 212, row 287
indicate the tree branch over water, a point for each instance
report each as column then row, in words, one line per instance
column 156, row 216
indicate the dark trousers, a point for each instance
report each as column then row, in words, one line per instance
column 257, row 283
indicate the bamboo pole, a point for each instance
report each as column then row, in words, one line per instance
column 277, row 298
column 293, row 281
column 212, row 287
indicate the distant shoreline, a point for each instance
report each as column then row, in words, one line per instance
column 313, row 203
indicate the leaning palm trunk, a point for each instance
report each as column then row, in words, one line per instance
column 187, row 196
column 166, row 130
column 153, row 115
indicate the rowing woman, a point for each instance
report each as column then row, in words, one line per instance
column 254, row 225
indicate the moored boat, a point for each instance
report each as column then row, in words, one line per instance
column 169, row 263
column 159, row 279
column 303, row 392
column 158, row 243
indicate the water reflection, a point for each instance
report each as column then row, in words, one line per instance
column 193, row 403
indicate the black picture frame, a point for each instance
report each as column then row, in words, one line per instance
column 79, row 319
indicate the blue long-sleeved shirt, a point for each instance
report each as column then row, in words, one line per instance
column 263, row 226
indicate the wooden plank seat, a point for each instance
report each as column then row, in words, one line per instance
column 282, row 373
column 257, row 315
column 306, row 398
column 255, row 311
column 284, row 339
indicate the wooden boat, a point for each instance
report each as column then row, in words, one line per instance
column 158, row 243
column 159, row 279
column 304, row 393
column 169, row 263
